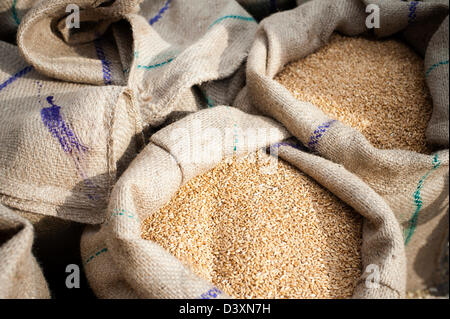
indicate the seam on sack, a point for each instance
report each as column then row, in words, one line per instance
column 318, row 133
column 212, row 293
column 412, row 11
column 14, row 12
column 149, row 67
column 237, row 17
column 434, row 66
column 412, row 223
column 381, row 284
column 174, row 158
column 160, row 13
column 16, row 76
column 96, row 254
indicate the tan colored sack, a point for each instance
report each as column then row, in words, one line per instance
column 120, row 264
column 75, row 109
column 20, row 274
column 415, row 186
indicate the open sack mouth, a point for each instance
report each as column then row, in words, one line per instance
column 216, row 149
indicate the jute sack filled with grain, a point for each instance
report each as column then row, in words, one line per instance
column 120, row 263
column 20, row 274
column 162, row 50
column 127, row 71
column 413, row 184
column 63, row 157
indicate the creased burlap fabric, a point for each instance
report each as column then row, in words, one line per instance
column 414, row 185
column 77, row 107
column 20, row 275
column 120, row 264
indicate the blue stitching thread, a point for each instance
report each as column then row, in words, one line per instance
column 16, row 76
column 314, row 139
column 106, row 65
column 104, row 250
column 236, row 140
column 160, row 13
column 52, row 119
column 412, row 11
column 231, row 17
column 434, row 66
column 149, row 67
column 211, row 294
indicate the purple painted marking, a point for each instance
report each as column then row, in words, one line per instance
column 211, row 294
column 314, row 139
column 16, row 76
column 160, row 13
column 51, row 118
column 106, row 65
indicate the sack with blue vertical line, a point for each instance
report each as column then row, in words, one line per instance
column 75, row 107
column 415, row 185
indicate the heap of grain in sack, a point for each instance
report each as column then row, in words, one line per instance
column 375, row 86
column 258, row 235
column 282, row 235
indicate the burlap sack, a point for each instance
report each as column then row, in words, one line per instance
column 20, row 274
column 415, row 186
column 127, row 71
column 120, row 264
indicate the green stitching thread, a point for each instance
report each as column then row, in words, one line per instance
column 231, row 17
column 412, row 224
column 120, row 212
column 104, row 250
column 148, row 67
column 434, row 66
column 209, row 101
column 14, row 12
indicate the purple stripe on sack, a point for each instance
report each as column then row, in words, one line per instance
column 160, row 13
column 16, row 76
column 106, row 65
column 412, row 11
column 318, row 133
column 211, row 294
column 52, row 119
